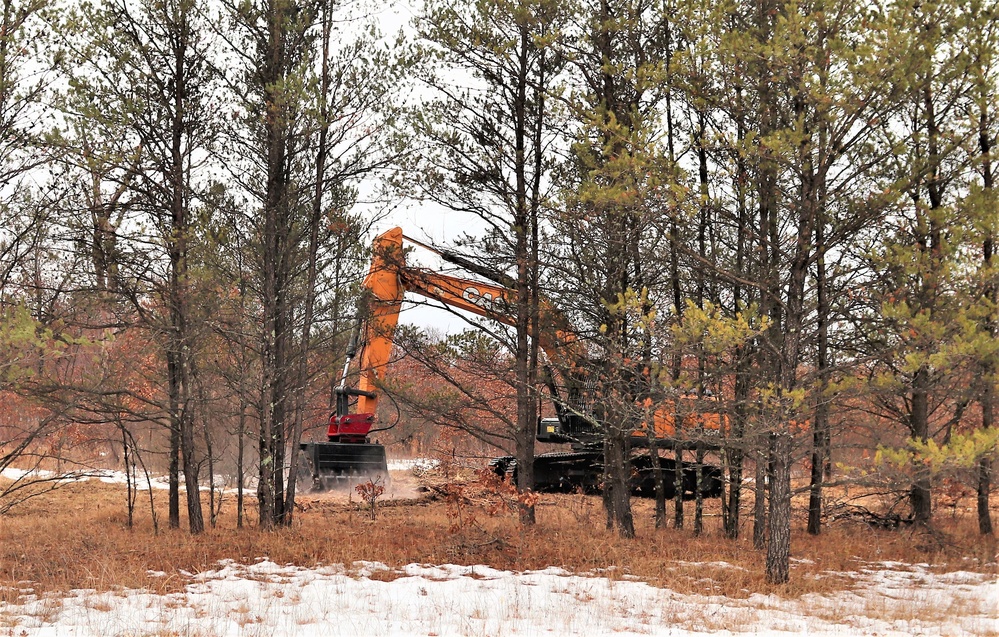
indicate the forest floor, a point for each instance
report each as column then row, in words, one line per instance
column 453, row 560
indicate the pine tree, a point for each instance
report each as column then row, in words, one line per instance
column 491, row 149
column 314, row 111
column 612, row 228
column 143, row 73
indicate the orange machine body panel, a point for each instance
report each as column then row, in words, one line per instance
column 692, row 420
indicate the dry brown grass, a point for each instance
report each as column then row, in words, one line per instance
column 76, row 537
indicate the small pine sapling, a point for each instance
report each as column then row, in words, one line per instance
column 370, row 491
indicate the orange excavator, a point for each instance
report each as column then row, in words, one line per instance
column 349, row 455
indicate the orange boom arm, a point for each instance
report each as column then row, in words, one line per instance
column 388, row 279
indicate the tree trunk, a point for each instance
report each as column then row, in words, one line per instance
column 779, row 544
column 195, row 518
column 820, row 433
column 240, row 451
column 524, row 257
column 731, row 507
column 770, row 285
column 214, row 493
column 182, row 384
column 659, row 479
column 760, row 493
column 174, row 494
column 735, row 454
column 130, row 485
column 988, row 394
column 789, row 339
column 702, row 283
column 819, row 453
column 919, row 491
column 678, row 485
column 984, row 488
column 280, row 18
column 315, row 218
column 608, row 486
column 179, row 339
column 620, row 494
column 698, row 495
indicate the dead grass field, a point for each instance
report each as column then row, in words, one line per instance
column 76, row 537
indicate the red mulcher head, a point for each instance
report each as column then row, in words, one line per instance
column 347, row 459
column 350, row 428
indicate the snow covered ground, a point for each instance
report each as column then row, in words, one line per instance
column 268, row 599
column 104, row 475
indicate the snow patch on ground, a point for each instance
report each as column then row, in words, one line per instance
column 111, row 476
column 369, row 598
column 17, row 474
column 408, row 464
column 108, row 476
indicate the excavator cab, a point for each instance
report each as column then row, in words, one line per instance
column 550, row 430
column 567, row 428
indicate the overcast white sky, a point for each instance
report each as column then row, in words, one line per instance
column 434, row 225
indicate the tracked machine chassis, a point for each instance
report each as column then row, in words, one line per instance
column 568, row 472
